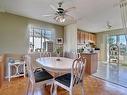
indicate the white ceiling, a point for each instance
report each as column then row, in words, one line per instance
column 91, row 15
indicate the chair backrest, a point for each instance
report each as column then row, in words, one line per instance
column 45, row 54
column 72, row 55
column 30, row 69
column 34, row 56
column 78, row 69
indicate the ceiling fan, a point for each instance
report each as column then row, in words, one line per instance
column 60, row 14
column 108, row 25
column 121, row 3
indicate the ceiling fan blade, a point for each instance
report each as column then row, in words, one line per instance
column 70, row 9
column 71, row 17
column 47, row 15
column 53, row 7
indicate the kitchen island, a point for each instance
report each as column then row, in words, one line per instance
column 91, row 62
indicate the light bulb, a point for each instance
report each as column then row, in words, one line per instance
column 60, row 19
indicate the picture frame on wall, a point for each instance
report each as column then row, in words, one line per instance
column 59, row 41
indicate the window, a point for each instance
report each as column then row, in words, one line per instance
column 38, row 36
column 122, row 45
column 112, row 40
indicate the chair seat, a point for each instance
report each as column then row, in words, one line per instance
column 42, row 76
column 64, row 79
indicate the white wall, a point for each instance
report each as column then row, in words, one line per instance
column 70, row 38
column 14, row 36
column 13, row 30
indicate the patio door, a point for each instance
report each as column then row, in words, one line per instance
column 121, row 41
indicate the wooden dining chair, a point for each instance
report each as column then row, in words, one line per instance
column 68, row 81
column 37, row 78
column 72, row 55
column 34, row 56
column 45, row 54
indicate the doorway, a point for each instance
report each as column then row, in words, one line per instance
column 111, row 72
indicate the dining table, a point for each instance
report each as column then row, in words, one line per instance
column 56, row 64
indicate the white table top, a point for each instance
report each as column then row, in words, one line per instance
column 51, row 64
column 17, row 62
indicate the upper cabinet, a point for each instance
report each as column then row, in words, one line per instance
column 78, row 37
column 82, row 37
column 85, row 37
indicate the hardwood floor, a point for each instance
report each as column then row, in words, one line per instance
column 93, row 86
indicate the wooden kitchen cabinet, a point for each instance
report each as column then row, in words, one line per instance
column 91, row 62
column 85, row 37
column 78, row 37
column 94, row 38
column 90, row 37
column 82, row 37
column 1, row 69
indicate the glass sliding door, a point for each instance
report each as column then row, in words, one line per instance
column 110, row 40
column 121, row 41
column 123, row 49
column 115, row 73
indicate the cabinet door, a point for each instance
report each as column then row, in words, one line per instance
column 90, row 37
column 94, row 38
column 82, row 37
column 86, row 36
column 78, row 37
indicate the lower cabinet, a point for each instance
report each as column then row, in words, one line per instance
column 91, row 62
column 1, row 70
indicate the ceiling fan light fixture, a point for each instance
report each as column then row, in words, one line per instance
column 60, row 13
column 60, row 19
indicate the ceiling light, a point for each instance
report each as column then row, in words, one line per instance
column 60, row 19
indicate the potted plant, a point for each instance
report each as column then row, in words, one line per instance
column 58, row 52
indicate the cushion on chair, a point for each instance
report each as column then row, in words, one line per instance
column 42, row 76
column 64, row 79
column 39, row 69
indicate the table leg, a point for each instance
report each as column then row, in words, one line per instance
column 9, row 73
column 24, row 70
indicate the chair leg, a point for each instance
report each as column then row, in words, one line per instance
column 83, row 88
column 71, row 92
column 28, row 88
column 55, row 90
column 32, row 88
column 51, row 89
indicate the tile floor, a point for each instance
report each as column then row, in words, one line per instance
column 112, row 73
